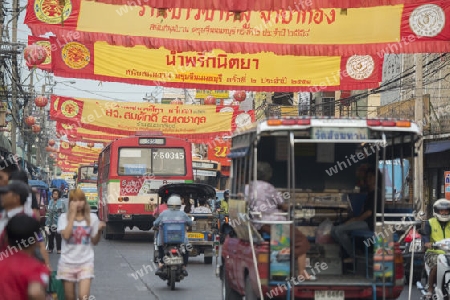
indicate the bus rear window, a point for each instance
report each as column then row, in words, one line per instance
column 156, row 161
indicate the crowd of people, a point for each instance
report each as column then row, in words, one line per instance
column 24, row 259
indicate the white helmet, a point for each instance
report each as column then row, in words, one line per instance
column 440, row 205
column 174, row 202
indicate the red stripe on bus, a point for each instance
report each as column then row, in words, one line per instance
column 130, row 209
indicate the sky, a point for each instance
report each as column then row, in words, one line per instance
column 85, row 88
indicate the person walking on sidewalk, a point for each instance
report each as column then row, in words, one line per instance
column 56, row 207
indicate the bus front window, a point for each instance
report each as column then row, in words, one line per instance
column 87, row 173
column 156, row 161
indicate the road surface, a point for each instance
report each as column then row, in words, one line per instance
column 124, row 271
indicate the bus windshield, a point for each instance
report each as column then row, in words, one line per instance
column 206, row 172
column 156, row 161
column 86, row 174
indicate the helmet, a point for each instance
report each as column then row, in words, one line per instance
column 174, row 202
column 439, row 205
column 226, row 193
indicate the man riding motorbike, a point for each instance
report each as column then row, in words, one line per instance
column 224, row 202
column 173, row 213
column 436, row 229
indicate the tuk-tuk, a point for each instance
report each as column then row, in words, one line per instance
column 40, row 189
column 202, row 234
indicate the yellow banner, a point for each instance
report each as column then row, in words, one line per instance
column 218, row 67
column 129, row 117
column 291, row 27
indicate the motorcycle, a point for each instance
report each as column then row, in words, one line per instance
column 442, row 287
column 172, row 236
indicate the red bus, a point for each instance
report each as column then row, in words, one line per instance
column 86, row 174
column 130, row 172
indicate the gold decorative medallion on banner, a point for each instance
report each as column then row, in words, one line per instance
column 69, row 108
column 75, row 55
column 51, row 12
column 47, row 46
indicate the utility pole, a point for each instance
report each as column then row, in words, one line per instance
column 30, row 139
column 418, row 187
column 15, row 75
column 39, row 151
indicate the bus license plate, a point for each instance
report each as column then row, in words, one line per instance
column 192, row 235
column 329, row 295
column 126, row 217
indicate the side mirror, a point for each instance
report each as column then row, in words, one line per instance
column 95, row 170
column 75, row 176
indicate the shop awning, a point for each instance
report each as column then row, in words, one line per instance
column 438, row 146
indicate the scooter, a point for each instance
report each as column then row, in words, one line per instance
column 173, row 238
column 442, row 287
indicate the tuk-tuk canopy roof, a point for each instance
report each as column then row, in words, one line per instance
column 37, row 184
column 194, row 189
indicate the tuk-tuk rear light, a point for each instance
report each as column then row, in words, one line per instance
column 174, row 251
column 263, row 257
column 403, row 123
column 120, row 199
column 273, row 122
column 289, row 122
column 388, row 123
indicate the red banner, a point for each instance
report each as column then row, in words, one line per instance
column 218, row 151
column 416, row 27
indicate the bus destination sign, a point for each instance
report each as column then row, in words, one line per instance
column 203, row 165
column 324, row 133
column 145, row 141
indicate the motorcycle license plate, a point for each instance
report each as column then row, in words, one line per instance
column 193, row 235
column 417, row 248
column 173, row 260
column 329, row 295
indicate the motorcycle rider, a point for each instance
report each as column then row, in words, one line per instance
column 436, row 229
column 173, row 213
column 224, row 202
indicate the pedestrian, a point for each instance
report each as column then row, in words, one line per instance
column 13, row 197
column 32, row 203
column 80, row 231
column 7, row 166
column 31, row 207
column 269, row 203
column 55, row 208
column 22, row 276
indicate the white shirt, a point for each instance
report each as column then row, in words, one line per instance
column 28, row 204
column 78, row 249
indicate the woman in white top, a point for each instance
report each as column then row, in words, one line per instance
column 80, row 230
